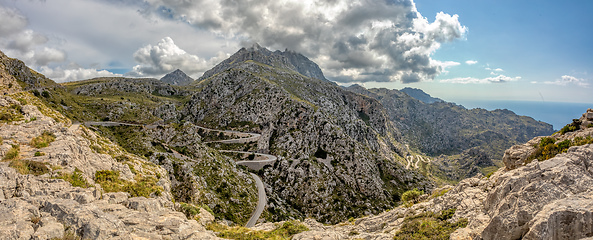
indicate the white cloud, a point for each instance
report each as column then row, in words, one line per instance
column 166, row 57
column 569, row 80
column 74, row 73
column 12, row 21
column 498, row 70
column 360, row 40
column 471, row 62
column 445, row 65
column 467, row 80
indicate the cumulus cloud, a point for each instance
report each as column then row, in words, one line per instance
column 23, row 43
column 471, row 62
column 12, row 21
column 74, row 72
column 353, row 41
column 569, row 80
column 166, row 57
column 467, row 80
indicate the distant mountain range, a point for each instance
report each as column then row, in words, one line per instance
column 420, row 95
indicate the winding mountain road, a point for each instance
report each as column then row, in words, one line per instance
column 259, row 161
column 411, row 163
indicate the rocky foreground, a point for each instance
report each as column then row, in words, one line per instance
column 42, row 205
column 529, row 199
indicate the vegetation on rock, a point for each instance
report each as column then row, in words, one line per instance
column 144, row 186
column 29, row 167
column 429, row 225
column 549, row 147
column 43, row 140
column 12, row 153
column 284, row 231
column 75, row 178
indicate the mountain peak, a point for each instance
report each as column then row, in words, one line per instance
column 178, row 78
column 288, row 59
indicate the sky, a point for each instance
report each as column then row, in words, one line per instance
column 457, row 50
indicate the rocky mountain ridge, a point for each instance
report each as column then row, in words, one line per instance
column 286, row 60
column 420, row 95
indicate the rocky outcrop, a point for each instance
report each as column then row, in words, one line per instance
column 44, row 208
column 40, row 205
column 177, row 78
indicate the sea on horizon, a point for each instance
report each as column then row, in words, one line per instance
column 556, row 113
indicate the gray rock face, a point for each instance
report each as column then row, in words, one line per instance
column 177, row 78
column 287, row 60
column 328, row 140
column 98, row 86
column 42, row 207
column 551, row 199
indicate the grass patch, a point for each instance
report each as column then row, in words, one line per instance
column 11, row 114
column 12, row 153
column 143, row 187
column 429, row 226
column 285, row 231
column 43, row 140
column 440, row 193
column 75, row 178
column 29, row 167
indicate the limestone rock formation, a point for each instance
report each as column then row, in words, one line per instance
column 177, row 78
column 287, row 60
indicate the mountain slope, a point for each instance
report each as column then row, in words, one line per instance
column 457, row 137
column 338, row 150
column 177, row 78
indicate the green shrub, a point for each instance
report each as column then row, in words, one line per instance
column 38, row 153
column 43, row 140
column 75, row 178
column 29, row 167
column 189, row 210
column 575, row 125
column 548, row 148
column 429, row 226
column 13, row 152
column 412, row 195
